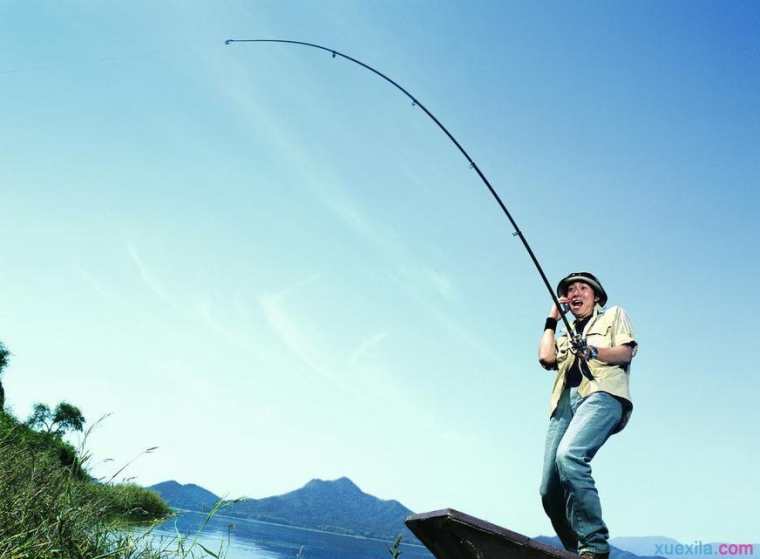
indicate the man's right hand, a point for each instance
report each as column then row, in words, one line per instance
column 555, row 312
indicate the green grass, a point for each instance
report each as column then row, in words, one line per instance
column 50, row 507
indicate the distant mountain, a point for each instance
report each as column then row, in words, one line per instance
column 189, row 496
column 615, row 552
column 334, row 506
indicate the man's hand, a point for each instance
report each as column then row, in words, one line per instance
column 579, row 345
column 555, row 312
column 583, row 352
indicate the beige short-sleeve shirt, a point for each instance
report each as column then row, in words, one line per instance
column 607, row 328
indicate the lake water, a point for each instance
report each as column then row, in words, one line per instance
column 250, row 539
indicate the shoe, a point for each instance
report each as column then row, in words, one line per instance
column 592, row 555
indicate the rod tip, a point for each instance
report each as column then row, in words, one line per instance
column 228, row 41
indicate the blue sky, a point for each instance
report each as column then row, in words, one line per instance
column 268, row 264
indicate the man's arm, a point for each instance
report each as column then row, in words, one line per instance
column 618, row 355
column 623, row 352
column 547, row 347
column 547, row 350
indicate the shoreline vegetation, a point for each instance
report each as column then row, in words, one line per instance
column 51, row 507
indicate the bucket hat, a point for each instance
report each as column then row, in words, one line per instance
column 587, row 278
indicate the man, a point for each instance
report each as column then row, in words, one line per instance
column 589, row 402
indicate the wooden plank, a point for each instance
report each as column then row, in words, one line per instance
column 450, row 534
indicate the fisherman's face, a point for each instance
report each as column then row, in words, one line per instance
column 581, row 298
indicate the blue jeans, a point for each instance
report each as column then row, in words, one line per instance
column 577, row 430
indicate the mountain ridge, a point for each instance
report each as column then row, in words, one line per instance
column 337, row 506
column 188, row 496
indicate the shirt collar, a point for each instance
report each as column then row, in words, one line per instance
column 596, row 313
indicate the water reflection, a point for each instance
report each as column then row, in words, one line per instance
column 250, row 539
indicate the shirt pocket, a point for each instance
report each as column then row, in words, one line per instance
column 600, row 335
column 563, row 351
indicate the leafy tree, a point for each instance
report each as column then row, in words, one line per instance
column 66, row 417
column 41, row 417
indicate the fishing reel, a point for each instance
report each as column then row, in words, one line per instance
column 579, row 345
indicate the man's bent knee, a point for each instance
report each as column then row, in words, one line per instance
column 567, row 461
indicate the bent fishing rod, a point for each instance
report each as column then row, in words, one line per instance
column 473, row 165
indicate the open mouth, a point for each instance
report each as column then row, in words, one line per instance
column 576, row 304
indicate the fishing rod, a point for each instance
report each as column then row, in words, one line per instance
column 473, row 165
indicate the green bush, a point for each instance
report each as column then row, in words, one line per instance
column 51, row 508
column 128, row 502
column 42, row 444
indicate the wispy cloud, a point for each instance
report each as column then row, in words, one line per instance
column 443, row 284
column 237, row 336
column 292, row 332
column 408, row 283
column 148, row 277
column 365, row 346
column 357, row 220
column 417, row 277
column 295, row 287
column 98, row 286
column 205, row 311
column 386, row 241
